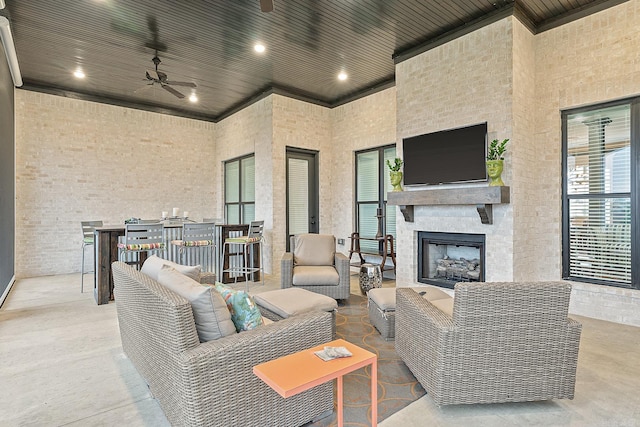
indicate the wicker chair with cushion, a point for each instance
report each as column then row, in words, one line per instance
column 495, row 342
column 314, row 264
column 212, row 383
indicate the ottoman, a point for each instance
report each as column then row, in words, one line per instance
column 382, row 307
column 382, row 311
column 283, row 303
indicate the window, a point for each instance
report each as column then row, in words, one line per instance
column 372, row 184
column 599, row 195
column 239, row 190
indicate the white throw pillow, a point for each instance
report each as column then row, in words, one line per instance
column 210, row 311
column 154, row 263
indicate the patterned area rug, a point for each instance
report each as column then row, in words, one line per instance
column 397, row 387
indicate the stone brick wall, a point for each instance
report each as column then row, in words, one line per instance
column 589, row 61
column 79, row 160
column 464, row 82
column 366, row 123
column 523, row 160
column 298, row 124
column 250, row 131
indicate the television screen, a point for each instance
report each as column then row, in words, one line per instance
column 448, row 156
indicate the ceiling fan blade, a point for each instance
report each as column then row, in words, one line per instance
column 172, row 91
column 186, row 84
column 152, row 75
column 144, row 89
column 266, row 5
column 162, row 76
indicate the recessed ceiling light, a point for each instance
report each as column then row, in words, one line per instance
column 193, row 98
column 79, row 74
column 259, row 47
column 342, row 76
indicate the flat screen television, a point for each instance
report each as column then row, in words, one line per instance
column 447, row 156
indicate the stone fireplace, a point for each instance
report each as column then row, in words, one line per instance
column 447, row 258
column 481, row 215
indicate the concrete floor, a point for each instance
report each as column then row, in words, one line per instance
column 62, row 364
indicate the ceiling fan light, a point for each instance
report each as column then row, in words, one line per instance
column 79, row 74
column 193, row 98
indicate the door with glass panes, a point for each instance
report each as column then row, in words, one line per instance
column 302, row 192
column 372, row 185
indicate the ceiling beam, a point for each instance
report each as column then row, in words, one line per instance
column 377, row 87
column 93, row 97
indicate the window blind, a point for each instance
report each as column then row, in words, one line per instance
column 598, row 172
column 248, row 171
column 298, row 196
column 232, row 182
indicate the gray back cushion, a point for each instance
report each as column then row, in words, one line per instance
column 314, row 249
column 154, row 264
column 210, row 312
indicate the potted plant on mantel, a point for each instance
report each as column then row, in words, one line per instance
column 495, row 162
column 395, row 173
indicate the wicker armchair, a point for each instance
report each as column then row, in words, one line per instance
column 504, row 342
column 212, row 383
column 313, row 264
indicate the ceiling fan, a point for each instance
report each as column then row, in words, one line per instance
column 156, row 76
column 266, row 5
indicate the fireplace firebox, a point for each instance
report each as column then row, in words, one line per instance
column 447, row 258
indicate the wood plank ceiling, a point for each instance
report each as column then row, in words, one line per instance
column 210, row 43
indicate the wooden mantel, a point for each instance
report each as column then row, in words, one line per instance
column 483, row 197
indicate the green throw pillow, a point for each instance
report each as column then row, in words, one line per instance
column 245, row 314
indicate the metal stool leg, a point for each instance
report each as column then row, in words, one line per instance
column 260, row 247
column 82, row 270
column 229, row 269
column 247, row 269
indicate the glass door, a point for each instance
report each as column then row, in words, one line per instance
column 302, row 192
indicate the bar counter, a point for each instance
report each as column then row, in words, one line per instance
column 106, row 252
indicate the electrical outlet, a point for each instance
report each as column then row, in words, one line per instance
column 341, row 241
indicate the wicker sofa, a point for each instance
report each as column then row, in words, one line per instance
column 501, row 342
column 212, row 383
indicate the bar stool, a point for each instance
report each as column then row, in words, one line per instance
column 139, row 238
column 88, row 227
column 253, row 237
column 197, row 241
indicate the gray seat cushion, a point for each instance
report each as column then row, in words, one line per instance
column 384, row 298
column 311, row 275
column 292, row 301
column 439, row 298
column 445, row 305
column 431, row 293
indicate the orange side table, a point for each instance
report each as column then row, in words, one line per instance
column 295, row 373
